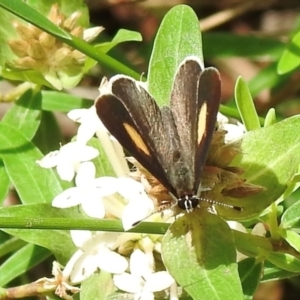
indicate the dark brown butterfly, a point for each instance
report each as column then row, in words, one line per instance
column 171, row 142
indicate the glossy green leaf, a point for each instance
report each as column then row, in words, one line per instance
column 290, row 58
column 178, row 37
column 57, row 241
column 21, row 261
column 272, row 272
column 250, row 273
column 30, row 180
column 284, row 261
column 227, row 44
column 25, row 114
column 292, row 238
column 263, row 166
column 199, row 252
column 245, row 105
column 291, row 217
column 97, row 286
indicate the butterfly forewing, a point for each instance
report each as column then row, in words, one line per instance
column 209, row 96
column 134, row 119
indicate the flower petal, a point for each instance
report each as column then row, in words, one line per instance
column 78, row 152
column 128, row 283
column 85, row 174
column 158, row 281
column 80, row 237
column 130, row 188
column 139, row 264
column 77, row 115
column 65, row 170
column 50, row 160
column 111, row 262
column 137, row 210
column 83, row 268
column 68, row 198
column 93, row 206
column 106, row 185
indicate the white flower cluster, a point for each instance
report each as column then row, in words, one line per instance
column 118, row 197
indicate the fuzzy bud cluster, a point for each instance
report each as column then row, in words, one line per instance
column 38, row 50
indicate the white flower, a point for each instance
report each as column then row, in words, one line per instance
column 234, row 131
column 68, row 158
column 142, row 282
column 89, row 122
column 139, row 206
column 89, row 192
column 95, row 253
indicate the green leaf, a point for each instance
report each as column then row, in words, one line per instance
column 4, row 182
column 179, row 36
column 292, row 238
column 25, row 115
column 290, row 58
column 270, row 117
column 123, row 35
column 11, row 244
column 226, row 44
column 284, row 261
column 272, row 272
column 30, row 180
column 97, row 286
column 58, row 101
column 265, row 167
column 250, row 273
column 48, row 137
column 291, row 217
column 21, row 261
column 57, row 241
column 199, row 252
column 245, row 105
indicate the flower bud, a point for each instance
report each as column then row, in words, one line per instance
column 63, row 56
column 19, row 47
column 47, row 40
column 71, row 21
column 35, row 50
column 91, row 33
column 26, row 63
column 78, row 32
column 78, row 57
column 25, row 32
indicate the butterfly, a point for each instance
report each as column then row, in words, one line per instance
column 171, row 142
